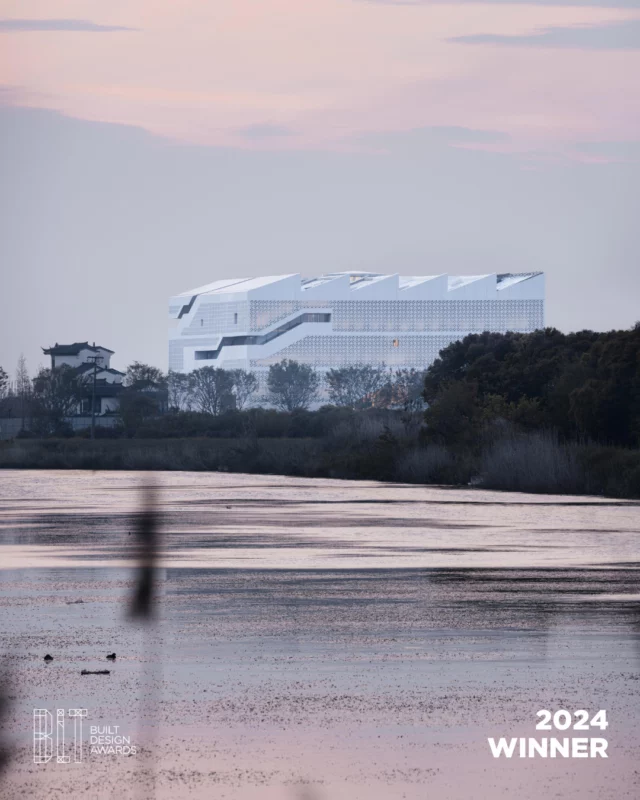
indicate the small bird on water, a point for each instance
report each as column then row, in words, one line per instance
column 48, row 657
column 111, row 656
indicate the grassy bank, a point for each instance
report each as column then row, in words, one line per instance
column 527, row 463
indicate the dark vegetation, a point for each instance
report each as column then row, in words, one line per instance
column 540, row 412
column 584, row 386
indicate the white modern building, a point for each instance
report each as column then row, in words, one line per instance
column 345, row 318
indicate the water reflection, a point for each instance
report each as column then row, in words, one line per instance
column 319, row 617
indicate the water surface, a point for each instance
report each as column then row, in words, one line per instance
column 322, row 638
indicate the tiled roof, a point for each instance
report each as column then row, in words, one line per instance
column 72, row 349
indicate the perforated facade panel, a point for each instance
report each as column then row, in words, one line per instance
column 345, row 318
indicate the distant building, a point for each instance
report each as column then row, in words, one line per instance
column 344, row 318
column 81, row 356
column 78, row 354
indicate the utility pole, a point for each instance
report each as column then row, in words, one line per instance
column 95, row 360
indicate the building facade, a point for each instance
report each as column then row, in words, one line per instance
column 81, row 357
column 348, row 318
column 79, row 354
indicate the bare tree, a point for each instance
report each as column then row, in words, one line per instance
column 23, row 382
column 140, row 375
column 23, row 387
column 56, row 394
column 180, row 387
column 245, row 385
column 137, row 407
column 213, row 389
column 407, row 389
column 292, row 386
column 357, row 386
column 4, row 383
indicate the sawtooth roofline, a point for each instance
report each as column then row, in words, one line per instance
column 360, row 285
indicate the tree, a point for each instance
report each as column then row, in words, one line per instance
column 511, row 364
column 140, row 375
column 56, row 394
column 4, row 383
column 180, row 388
column 213, row 390
column 453, row 419
column 245, row 385
column 292, row 386
column 135, row 408
column 145, row 395
column 357, row 386
column 407, row 389
column 584, row 384
column 23, row 387
column 23, row 382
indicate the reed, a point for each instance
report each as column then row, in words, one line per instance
column 370, row 449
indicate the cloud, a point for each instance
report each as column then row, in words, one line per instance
column 10, row 95
column 624, row 35
column 628, row 152
column 434, row 136
column 551, row 3
column 264, row 131
column 22, row 25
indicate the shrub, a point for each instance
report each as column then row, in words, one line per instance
column 431, row 464
column 532, row 463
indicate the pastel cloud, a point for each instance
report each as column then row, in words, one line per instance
column 419, row 139
column 628, row 152
column 285, row 75
column 547, row 3
column 623, row 35
column 264, row 130
column 68, row 25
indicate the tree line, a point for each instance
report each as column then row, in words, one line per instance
column 293, row 386
column 290, row 386
column 582, row 386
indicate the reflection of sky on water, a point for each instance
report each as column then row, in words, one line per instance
column 219, row 520
column 302, row 620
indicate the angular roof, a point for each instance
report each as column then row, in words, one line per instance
column 507, row 279
column 235, row 286
column 457, row 281
column 72, row 349
column 409, row 281
column 361, row 285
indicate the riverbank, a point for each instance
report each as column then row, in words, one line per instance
column 529, row 463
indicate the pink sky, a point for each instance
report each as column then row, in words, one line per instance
column 326, row 71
